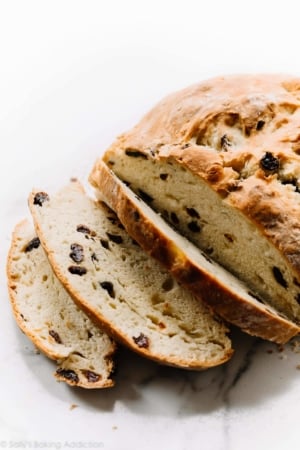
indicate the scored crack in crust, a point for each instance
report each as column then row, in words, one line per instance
column 221, row 162
column 111, row 278
column 48, row 316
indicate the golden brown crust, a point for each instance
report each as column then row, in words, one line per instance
column 250, row 317
column 221, row 130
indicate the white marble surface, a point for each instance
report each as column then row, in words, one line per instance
column 73, row 74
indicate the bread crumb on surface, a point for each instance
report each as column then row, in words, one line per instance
column 73, row 406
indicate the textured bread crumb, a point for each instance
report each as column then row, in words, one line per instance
column 120, row 286
column 48, row 316
column 210, row 282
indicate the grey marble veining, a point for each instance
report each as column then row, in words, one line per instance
column 189, row 392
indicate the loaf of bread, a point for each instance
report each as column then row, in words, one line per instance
column 221, row 162
column 209, row 281
column 123, row 289
column 48, row 316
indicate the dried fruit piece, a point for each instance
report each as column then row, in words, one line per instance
column 260, row 124
column 68, row 374
column 115, row 238
column 77, row 253
column 55, row 336
column 194, row 226
column 77, row 270
column 84, row 229
column 92, row 377
column 141, row 340
column 192, row 212
column 109, row 287
column 34, row 243
column 40, row 198
column 163, row 176
column 269, row 162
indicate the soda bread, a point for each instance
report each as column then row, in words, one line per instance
column 209, row 281
column 221, row 162
column 111, row 278
column 48, row 316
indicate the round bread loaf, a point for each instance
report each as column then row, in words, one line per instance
column 206, row 279
column 221, row 161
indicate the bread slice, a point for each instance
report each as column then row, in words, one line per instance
column 221, row 161
column 207, row 280
column 48, row 316
column 120, row 286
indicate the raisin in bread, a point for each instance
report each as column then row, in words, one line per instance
column 121, row 287
column 221, row 161
column 207, row 280
column 48, row 316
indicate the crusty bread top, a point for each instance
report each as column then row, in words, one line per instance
column 241, row 134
